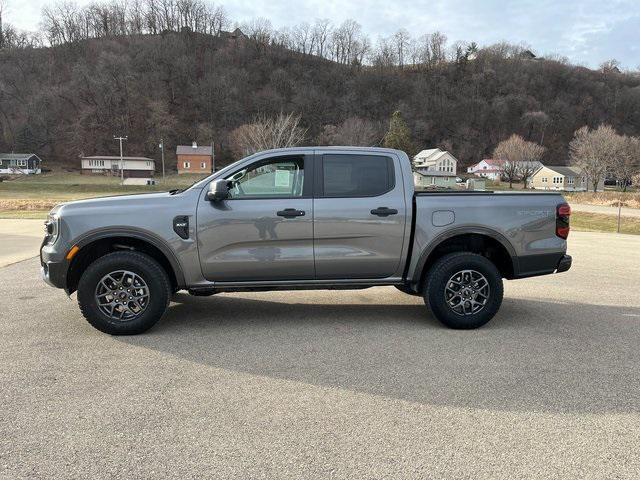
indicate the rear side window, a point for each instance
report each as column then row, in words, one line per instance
column 356, row 175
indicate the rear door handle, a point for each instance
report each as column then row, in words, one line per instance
column 384, row 211
column 290, row 213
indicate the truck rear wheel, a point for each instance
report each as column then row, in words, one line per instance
column 124, row 293
column 464, row 290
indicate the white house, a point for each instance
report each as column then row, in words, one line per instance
column 139, row 167
column 493, row 169
column 435, row 167
column 20, row 163
column 488, row 168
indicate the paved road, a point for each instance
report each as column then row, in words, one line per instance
column 20, row 239
column 603, row 209
column 343, row 384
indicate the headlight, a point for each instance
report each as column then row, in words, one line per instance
column 52, row 228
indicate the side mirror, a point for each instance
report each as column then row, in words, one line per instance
column 218, row 190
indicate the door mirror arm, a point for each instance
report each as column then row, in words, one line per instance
column 218, row 190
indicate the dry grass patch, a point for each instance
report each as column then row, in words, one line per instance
column 608, row 199
column 26, row 205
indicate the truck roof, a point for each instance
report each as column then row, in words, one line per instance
column 329, row 148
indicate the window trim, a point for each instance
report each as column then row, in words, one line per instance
column 306, row 183
column 318, row 175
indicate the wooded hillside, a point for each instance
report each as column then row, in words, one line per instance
column 72, row 98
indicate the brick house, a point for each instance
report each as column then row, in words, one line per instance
column 194, row 159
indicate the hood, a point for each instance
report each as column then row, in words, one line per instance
column 115, row 201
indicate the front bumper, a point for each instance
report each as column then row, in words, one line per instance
column 564, row 264
column 52, row 270
column 54, row 273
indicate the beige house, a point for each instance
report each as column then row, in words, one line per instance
column 560, row 177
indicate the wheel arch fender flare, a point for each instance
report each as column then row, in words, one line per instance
column 455, row 232
column 140, row 235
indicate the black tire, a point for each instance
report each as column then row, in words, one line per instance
column 440, row 274
column 155, row 277
column 407, row 290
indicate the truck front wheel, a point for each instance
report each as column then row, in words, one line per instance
column 124, row 293
column 463, row 290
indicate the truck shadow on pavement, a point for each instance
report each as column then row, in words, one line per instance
column 533, row 356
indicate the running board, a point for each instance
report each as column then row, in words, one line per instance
column 267, row 285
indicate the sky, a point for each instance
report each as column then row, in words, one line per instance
column 587, row 32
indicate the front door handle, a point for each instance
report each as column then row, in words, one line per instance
column 384, row 211
column 290, row 213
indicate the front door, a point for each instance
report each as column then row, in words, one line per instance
column 360, row 214
column 264, row 231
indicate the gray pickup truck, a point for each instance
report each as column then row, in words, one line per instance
column 302, row 218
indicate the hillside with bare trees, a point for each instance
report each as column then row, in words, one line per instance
column 181, row 71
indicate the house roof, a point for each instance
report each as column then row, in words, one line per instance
column 115, row 157
column 494, row 162
column 431, row 156
column 17, row 156
column 190, row 150
column 427, row 153
column 563, row 170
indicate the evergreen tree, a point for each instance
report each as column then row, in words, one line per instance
column 399, row 135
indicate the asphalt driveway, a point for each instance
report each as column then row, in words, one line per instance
column 342, row 384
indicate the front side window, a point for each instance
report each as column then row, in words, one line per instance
column 356, row 175
column 186, row 165
column 272, row 178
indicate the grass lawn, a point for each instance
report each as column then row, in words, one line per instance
column 33, row 196
column 596, row 222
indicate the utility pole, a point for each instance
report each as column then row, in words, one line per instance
column 213, row 157
column 121, row 158
column 162, row 152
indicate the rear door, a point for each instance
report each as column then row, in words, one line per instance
column 359, row 215
column 264, row 231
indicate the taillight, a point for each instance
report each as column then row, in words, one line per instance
column 563, row 212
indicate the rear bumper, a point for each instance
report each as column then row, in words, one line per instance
column 542, row 264
column 564, row 264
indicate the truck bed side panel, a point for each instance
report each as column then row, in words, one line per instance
column 523, row 223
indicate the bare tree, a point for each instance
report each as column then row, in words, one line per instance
column 536, row 121
column 3, row 6
column 353, row 131
column 265, row 133
column 627, row 164
column 594, row 151
column 302, row 38
column 438, row 45
column 321, row 34
column 402, row 39
column 520, row 158
column 384, row 54
column 259, row 30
